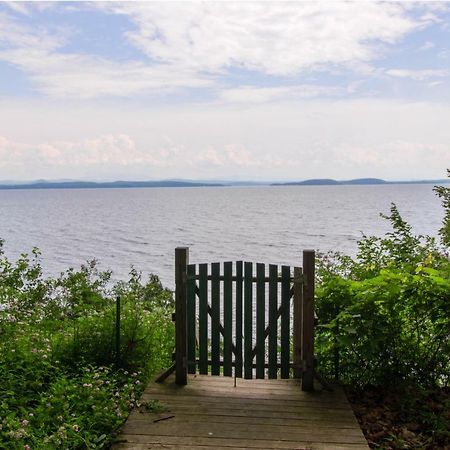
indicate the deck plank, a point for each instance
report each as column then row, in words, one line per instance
column 211, row 413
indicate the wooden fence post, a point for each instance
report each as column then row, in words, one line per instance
column 117, row 330
column 297, row 322
column 181, row 262
column 308, row 320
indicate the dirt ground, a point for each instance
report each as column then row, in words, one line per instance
column 397, row 419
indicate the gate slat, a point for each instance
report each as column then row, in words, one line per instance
column 203, row 318
column 215, row 319
column 260, row 319
column 191, row 320
column 227, row 318
column 285, row 319
column 273, row 320
column 238, row 315
column 248, row 320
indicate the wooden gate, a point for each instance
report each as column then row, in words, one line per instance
column 238, row 319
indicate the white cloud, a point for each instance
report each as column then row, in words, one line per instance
column 109, row 149
column 26, row 7
column 14, row 35
column 418, row 74
column 120, row 151
column 274, row 38
column 18, row 7
column 12, row 154
column 104, row 150
column 435, row 83
column 192, row 45
column 58, row 74
column 255, row 94
column 444, row 54
column 394, row 153
column 338, row 138
column 81, row 76
column 232, row 156
column 427, row 46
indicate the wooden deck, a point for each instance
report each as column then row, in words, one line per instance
column 210, row 413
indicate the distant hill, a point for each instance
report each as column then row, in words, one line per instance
column 73, row 184
column 357, row 181
column 365, row 181
column 320, row 182
column 41, row 184
column 331, row 182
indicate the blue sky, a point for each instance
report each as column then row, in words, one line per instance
column 260, row 90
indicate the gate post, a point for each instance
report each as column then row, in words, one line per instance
column 308, row 320
column 181, row 262
column 297, row 323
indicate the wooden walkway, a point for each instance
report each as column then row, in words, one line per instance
column 211, row 413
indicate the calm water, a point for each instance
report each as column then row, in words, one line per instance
column 141, row 227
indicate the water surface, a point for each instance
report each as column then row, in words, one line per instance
column 141, row 227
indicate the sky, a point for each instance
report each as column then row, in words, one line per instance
column 224, row 90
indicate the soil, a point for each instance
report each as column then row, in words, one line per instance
column 394, row 419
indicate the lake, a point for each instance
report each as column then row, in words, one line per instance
column 142, row 227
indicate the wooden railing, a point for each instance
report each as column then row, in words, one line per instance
column 240, row 321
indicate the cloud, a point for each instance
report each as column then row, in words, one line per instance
column 36, row 51
column 256, row 94
column 427, row 46
column 12, row 154
column 196, row 45
column 18, row 7
column 120, row 151
column 233, row 155
column 274, row 38
column 395, row 152
column 418, row 74
column 14, row 35
column 81, row 76
column 336, row 138
column 444, row 54
column 435, row 83
column 26, row 8
column 108, row 150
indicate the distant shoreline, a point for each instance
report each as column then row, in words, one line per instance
column 41, row 185
column 356, row 182
column 104, row 185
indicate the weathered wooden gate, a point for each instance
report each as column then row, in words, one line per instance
column 236, row 319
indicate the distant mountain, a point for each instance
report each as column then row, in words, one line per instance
column 11, row 182
column 42, row 184
column 73, row 184
column 312, row 182
column 365, row 181
column 357, row 181
column 330, row 182
column 227, row 182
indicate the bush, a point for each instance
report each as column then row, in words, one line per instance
column 385, row 315
column 63, row 385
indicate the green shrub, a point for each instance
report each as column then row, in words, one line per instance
column 62, row 384
column 385, row 314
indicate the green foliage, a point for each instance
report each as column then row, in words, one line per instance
column 63, row 386
column 385, row 315
column 444, row 193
